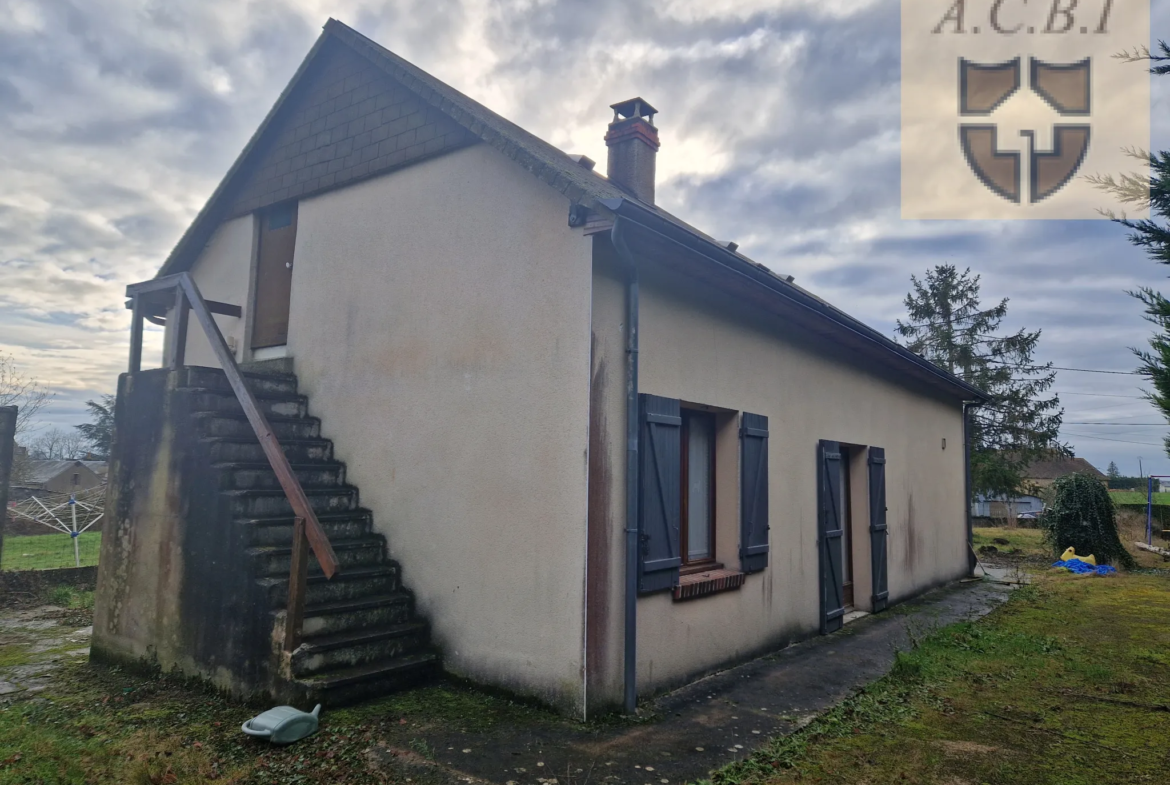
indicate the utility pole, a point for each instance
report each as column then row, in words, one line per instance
column 7, row 439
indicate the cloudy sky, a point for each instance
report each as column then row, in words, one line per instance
column 779, row 121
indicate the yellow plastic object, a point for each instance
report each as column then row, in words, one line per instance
column 1072, row 554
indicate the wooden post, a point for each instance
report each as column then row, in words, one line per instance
column 177, row 334
column 136, row 336
column 7, row 436
column 298, row 575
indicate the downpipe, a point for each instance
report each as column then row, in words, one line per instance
column 968, row 407
column 630, row 645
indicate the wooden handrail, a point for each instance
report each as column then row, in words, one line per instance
column 186, row 295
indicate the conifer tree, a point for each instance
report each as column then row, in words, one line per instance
column 99, row 434
column 947, row 325
column 1150, row 191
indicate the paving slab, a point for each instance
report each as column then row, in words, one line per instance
column 707, row 724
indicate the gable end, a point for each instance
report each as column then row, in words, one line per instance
column 348, row 121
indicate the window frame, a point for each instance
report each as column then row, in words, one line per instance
column 707, row 562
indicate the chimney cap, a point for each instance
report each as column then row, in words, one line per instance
column 633, row 107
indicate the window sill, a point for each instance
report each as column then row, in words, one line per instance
column 703, row 584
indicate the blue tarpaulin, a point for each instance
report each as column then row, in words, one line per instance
column 1083, row 567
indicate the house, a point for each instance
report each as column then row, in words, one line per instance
column 53, row 476
column 1042, row 473
column 1038, row 476
column 561, row 441
column 990, row 507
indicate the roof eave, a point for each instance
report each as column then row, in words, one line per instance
column 648, row 219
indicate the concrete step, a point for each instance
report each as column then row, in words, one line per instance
column 260, row 476
column 275, row 560
column 298, row 451
column 204, row 400
column 352, row 584
column 281, row 366
column 266, row 384
column 265, row 504
column 363, row 613
column 278, row 530
column 346, row 686
column 361, row 647
column 236, row 426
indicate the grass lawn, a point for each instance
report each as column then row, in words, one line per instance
column 50, row 551
column 1137, row 497
column 98, row 725
column 1068, row 683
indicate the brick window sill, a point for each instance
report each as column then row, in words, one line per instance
column 706, row 583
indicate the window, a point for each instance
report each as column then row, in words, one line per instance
column 698, row 486
column 677, row 477
column 77, row 479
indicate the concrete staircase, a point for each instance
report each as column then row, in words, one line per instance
column 361, row 635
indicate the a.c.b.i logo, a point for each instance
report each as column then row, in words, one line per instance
column 1065, row 88
column 1006, row 104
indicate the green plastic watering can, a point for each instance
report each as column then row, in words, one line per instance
column 283, row 724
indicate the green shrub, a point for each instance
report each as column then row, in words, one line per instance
column 1082, row 516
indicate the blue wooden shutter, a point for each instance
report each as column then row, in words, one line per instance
column 830, row 536
column 877, row 529
column 753, row 493
column 660, row 493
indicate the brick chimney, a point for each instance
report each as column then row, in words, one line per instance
column 633, row 145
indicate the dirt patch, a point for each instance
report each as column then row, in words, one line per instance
column 968, row 748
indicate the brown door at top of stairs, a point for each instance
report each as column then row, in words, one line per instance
column 278, row 239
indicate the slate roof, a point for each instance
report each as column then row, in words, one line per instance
column 1059, row 466
column 546, row 162
column 43, row 471
column 100, row 468
column 543, row 160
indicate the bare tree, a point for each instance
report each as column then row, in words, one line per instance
column 22, row 391
column 58, row 444
column 27, row 394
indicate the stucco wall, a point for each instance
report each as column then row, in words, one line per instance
column 223, row 273
column 440, row 326
column 720, row 352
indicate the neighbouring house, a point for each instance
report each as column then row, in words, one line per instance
column 599, row 453
column 1042, row 473
column 1038, row 476
column 53, row 476
column 990, row 507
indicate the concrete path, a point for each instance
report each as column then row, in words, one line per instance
column 707, row 724
column 35, row 641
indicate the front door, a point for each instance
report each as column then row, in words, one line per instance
column 278, row 239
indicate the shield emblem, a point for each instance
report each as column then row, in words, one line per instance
column 983, row 88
